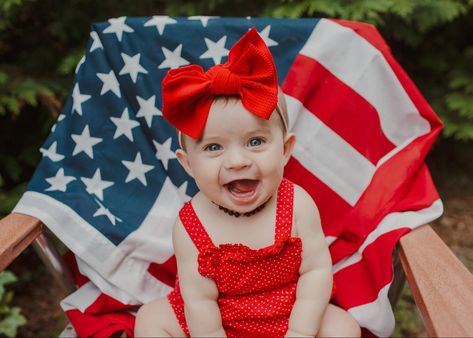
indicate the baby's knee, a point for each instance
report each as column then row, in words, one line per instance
column 147, row 321
column 349, row 327
column 338, row 323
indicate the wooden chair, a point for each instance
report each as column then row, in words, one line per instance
column 441, row 284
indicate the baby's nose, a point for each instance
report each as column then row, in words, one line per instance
column 236, row 159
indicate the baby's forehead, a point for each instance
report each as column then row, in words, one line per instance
column 225, row 106
column 222, row 106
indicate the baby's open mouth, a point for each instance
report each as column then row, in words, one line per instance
column 243, row 188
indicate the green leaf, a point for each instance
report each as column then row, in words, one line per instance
column 10, row 324
column 7, row 277
column 3, row 78
column 69, row 63
column 10, row 199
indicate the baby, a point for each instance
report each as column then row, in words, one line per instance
column 251, row 255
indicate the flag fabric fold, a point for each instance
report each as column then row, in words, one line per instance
column 110, row 188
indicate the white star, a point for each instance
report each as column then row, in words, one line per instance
column 51, row 152
column 182, row 192
column 102, row 211
column 118, row 26
column 110, row 82
column 81, row 61
column 215, row 50
column 265, row 36
column 132, row 66
column 84, row 142
column 59, row 182
column 96, row 185
column 78, row 99
column 148, row 109
column 59, row 119
column 137, row 169
column 96, row 44
column 164, row 152
column 124, row 125
column 203, row 19
column 173, row 59
column 160, row 21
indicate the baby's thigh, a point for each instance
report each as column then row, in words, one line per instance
column 157, row 319
column 337, row 322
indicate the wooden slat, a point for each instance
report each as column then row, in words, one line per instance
column 441, row 284
column 17, row 231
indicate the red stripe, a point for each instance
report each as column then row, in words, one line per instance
column 103, row 325
column 165, row 272
column 104, row 303
column 360, row 283
column 70, row 260
column 421, row 195
column 331, row 206
column 370, row 34
column 392, row 182
column 338, row 106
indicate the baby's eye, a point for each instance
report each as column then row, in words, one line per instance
column 255, row 141
column 212, row 147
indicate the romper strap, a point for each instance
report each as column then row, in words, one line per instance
column 194, row 227
column 284, row 209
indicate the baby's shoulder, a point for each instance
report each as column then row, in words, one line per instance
column 302, row 200
column 306, row 213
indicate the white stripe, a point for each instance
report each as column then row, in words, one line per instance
column 376, row 316
column 82, row 298
column 330, row 239
column 393, row 221
column 326, row 155
column 67, row 225
column 111, row 268
column 153, row 238
column 361, row 66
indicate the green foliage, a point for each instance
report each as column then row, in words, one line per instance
column 10, row 316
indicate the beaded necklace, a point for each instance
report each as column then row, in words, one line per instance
column 238, row 214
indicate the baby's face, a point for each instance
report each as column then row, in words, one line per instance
column 238, row 161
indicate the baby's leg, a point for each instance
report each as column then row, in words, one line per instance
column 157, row 319
column 337, row 322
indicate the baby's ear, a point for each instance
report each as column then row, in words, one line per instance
column 184, row 161
column 289, row 142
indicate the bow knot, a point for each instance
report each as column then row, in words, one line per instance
column 188, row 92
column 224, row 82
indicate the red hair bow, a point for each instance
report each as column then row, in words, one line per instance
column 250, row 73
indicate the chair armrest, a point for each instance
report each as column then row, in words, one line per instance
column 442, row 286
column 17, row 232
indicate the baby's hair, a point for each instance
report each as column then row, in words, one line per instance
column 281, row 110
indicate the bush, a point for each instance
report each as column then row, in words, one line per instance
column 10, row 317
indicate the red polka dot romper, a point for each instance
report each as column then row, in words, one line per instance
column 257, row 288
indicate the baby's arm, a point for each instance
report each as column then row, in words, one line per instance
column 199, row 293
column 315, row 282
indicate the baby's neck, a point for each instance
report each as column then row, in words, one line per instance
column 244, row 214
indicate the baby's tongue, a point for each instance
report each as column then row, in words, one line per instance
column 242, row 186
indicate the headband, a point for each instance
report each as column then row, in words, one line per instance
column 188, row 92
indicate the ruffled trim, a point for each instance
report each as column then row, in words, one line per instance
column 212, row 257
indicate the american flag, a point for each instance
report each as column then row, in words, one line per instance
column 110, row 188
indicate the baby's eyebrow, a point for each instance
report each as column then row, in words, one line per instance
column 213, row 138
